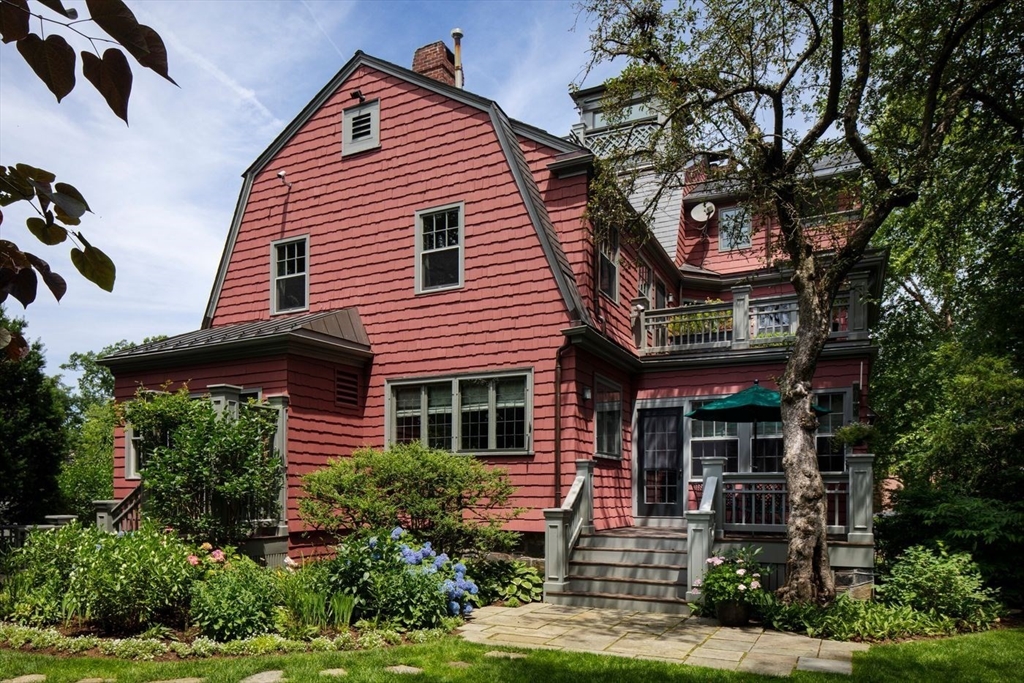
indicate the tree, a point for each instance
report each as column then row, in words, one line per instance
column 32, row 436
column 777, row 85
column 95, row 385
column 53, row 61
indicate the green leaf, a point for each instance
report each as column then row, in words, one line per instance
column 114, row 17
column 13, row 20
column 155, row 56
column 22, row 286
column 66, row 219
column 52, row 59
column 112, row 77
column 33, row 173
column 94, row 265
column 14, row 187
column 70, row 200
column 48, row 234
column 58, row 7
column 56, row 284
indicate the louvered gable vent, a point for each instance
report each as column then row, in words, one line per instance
column 361, row 128
column 346, row 388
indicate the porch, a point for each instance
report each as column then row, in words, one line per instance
column 653, row 568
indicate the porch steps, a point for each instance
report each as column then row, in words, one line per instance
column 628, row 569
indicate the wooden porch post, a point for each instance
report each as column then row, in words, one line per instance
column 556, row 543
column 715, row 467
column 699, row 541
column 586, row 468
column 860, row 510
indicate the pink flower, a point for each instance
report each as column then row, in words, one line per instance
column 756, row 575
column 696, row 591
column 193, row 560
column 217, row 555
column 741, row 587
column 754, row 585
column 741, row 572
column 698, row 582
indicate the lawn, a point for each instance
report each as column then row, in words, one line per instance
column 992, row 656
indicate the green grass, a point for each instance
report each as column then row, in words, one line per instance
column 992, row 656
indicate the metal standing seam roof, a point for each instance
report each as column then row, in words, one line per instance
column 338, row 326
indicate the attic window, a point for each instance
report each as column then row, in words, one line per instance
column 346, row 388
column 361, row 128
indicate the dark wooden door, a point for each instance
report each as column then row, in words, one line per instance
column 661, row 484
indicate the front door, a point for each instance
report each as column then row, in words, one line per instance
column 661, row 484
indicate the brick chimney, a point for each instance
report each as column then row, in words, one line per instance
column 435, row 61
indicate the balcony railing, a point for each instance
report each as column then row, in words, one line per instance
column 740, row 324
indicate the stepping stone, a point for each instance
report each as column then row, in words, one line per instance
column 264, row 677
column 334, row 672
column 96, row 680
column 30, row 678
column 459, row 665
column 504, row 655
column 403, row 669
column 831, row 666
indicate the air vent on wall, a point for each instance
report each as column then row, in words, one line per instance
column 362, row 126
column 346, row 388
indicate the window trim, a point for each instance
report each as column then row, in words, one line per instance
column 735, row 246
column 453, row 379
column 615, row 386
column 350, row 146
column 274, row 310
column 418, row 237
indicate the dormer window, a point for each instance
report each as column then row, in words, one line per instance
column 361, row 128
column 289, row 275
column 734, row 229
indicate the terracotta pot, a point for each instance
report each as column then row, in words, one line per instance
column 732, row 613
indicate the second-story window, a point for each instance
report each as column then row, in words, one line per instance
column 734, row 229
column 290, row 275
column 608, row 265
column 439, row 242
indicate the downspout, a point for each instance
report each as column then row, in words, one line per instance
column 558, row 421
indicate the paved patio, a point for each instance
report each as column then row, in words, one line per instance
column 671, row 638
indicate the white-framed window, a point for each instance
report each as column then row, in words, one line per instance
column 734, row 228
column 132, row 453
column 360, row 128
column 440, row 236
column 608, row 266
column 713, row 438
column 478, row 414
column 608, row 418
column 289, row 275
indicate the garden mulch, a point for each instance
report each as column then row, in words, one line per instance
column 671, row 638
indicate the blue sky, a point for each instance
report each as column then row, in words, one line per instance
column 163, row 189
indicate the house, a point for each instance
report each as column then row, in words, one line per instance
column 406, row 262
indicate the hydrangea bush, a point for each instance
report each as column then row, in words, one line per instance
column 732, row 577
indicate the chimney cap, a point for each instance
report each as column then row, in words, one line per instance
column 457, row 33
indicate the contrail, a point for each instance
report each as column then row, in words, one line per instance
column 320, row 26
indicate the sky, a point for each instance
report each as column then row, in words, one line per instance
column 163, row 189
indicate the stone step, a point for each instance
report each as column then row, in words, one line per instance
column 628, row 587
column 647, row 542
column 629, row 570
column 628, row 556
column 621, row 602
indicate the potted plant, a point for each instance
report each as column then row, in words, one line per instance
column 731, row 585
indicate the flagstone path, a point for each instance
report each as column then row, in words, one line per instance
column 673, row 638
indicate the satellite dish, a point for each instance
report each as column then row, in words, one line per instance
column 702, row 212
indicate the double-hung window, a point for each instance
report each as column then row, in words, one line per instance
column 289, row 275
column 831, row 457
column 608, row 413
column 734, row 229
column 440, row 236
column 466, row 414
column 713, row 439
column 608, row 266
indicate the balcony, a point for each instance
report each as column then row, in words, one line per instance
column 743, row 323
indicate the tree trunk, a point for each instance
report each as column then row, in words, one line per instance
column 808, row 572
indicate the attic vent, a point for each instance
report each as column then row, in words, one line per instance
column 346, row 388
column 362, row 126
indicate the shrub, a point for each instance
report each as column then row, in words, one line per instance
column 395, row 583
column 235, row 603
column 119, row 583
column 455, row 502
column 734, row 577
column 942, row 584
column 207, row 476
column 505, row 580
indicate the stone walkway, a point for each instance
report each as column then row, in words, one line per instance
column 671, row 638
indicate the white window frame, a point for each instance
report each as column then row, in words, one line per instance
column 348, row 118
column 274, row 309
column 608, row 252
column 456, row 407
column 420, row 252
column 612, row 386
column 726, row 215
column 131, row 454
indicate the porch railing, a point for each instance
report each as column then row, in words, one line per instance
column 760, row 502
column 564, row 525
column 743, row 323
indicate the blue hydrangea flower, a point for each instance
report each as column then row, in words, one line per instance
column 396, row 533
column 473, row 590
column 460, row 568
column 454, row 608
column 467, row 610
column 440, row 560
column 372, row 542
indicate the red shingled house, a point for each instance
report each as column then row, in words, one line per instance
column 407, row 263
